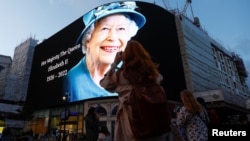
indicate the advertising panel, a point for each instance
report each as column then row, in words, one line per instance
column 55, row 57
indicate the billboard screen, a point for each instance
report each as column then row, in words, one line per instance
column 56, row 56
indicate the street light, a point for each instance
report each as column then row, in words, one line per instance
column 65, row 114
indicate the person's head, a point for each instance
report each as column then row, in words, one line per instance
column 91, row 111
column 108, row 28
column 138, row 61
column 201, row 101
column 190, row 102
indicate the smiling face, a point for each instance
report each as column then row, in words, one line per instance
column 110, row 36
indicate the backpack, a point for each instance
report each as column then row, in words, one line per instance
column 150, row 114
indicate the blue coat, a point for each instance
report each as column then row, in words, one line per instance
column 78, row 82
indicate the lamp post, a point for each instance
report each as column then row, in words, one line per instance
column 65, row 115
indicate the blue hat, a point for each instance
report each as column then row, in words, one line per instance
column 109, row 9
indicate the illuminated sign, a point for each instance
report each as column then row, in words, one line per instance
column 56, row 56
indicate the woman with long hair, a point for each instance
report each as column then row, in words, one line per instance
column 133, row 66
column 191, row 117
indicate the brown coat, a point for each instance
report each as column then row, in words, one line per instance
column 123, row 130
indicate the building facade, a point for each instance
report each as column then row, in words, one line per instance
column 5, row 63
column 211, row 71
column 16, row 82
